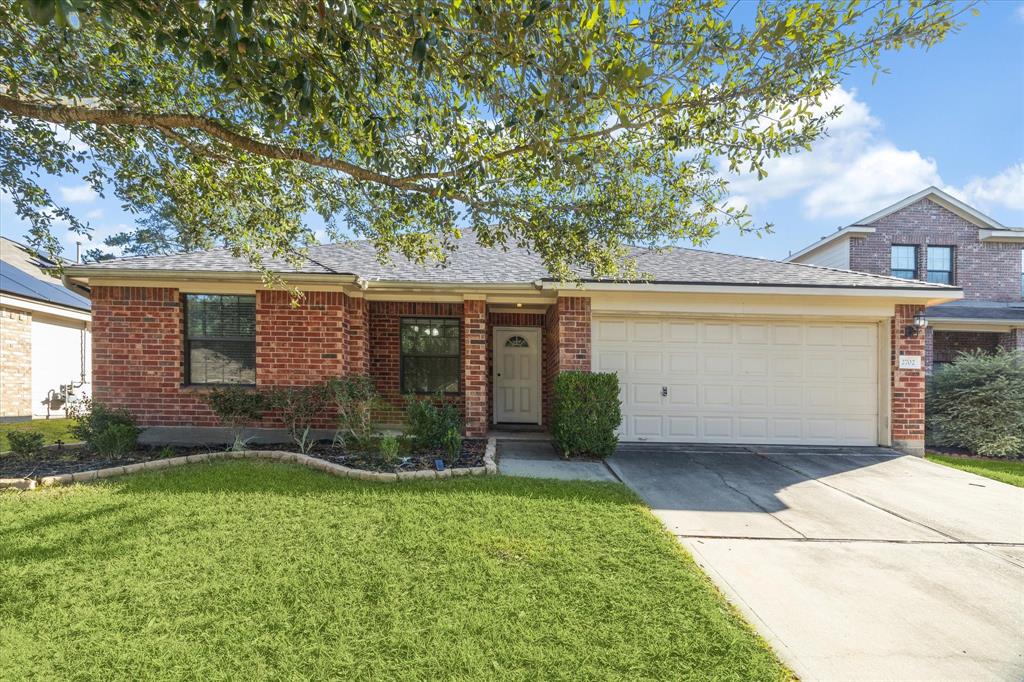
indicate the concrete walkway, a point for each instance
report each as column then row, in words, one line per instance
column 855, row 565
column 537, row 459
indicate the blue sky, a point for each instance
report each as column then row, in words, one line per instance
column 951, row 117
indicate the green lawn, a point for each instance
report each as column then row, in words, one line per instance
column 1007, row 472
column 53, row 429
column 256, row 570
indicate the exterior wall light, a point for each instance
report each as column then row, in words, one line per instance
column 920, row 322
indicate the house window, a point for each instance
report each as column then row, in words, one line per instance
column 430, row 355
column 903, row 261
column 940, row 264
column 517, row 342
column 220, row 339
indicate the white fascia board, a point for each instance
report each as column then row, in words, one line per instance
column 967, row 324
column 1011, row 236
column 33, row 306
column 848, row 231
column 935, row 296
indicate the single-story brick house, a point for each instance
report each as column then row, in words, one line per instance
column 709, row 348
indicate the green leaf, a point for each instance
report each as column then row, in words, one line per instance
column 419, row 50
column 594, row 16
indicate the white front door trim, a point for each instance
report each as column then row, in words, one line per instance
column 517, row 394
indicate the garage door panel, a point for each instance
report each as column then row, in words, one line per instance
column 757, row 381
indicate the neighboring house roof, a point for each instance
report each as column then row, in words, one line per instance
column 23, row 274
column 977, row 311
column 472, row 263
column 989, row 228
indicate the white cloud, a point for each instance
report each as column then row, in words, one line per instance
column 95, row 214
column 880, row 176
column 1020, row 11
column 1004, row 190
column 77, row 194
column 855, row 171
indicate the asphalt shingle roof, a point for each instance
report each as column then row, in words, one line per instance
column 978, row 310
column 472, row 263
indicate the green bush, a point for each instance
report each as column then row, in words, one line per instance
column 105, row 430
column 428, row 423
column 26, row 443
column 236, row 406
column 298, row 406
column 115, row 440
column 452, row 444
column 977, row 403
column 585, row 413
column 389, row 448
column 355, row 398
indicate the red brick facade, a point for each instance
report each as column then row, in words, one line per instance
column 987, row 271
column 474, row 367
column 299, row 345
column 908, row 385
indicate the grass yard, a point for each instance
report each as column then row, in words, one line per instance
column 257, row 570
column 52, row 429
column 1007, row 472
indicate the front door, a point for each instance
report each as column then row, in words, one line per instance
column 517, row 375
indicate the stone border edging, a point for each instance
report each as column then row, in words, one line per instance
column 489, row 467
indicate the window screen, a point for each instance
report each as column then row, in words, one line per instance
column 940, row 264
column 903, row 262
column 430, row 355
column 220, row 339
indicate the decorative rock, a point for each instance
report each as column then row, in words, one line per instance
column 83, row 476
column 111, row 471
column 155, row 464
column 60, row 479
column 460, row 471
column 134, row 468
column 17, row 483
column 198, row 458
column 478, row 471
column 447, row 473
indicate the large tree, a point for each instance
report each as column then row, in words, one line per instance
column 576, row 128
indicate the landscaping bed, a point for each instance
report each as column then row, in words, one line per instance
column 73, row 459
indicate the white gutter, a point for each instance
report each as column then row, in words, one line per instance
column 1001, row 235
column 938, row 294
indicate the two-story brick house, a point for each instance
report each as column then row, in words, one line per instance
column 934, row 237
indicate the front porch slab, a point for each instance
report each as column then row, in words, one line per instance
column 538, row 459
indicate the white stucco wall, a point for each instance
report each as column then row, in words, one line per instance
column 61, row 354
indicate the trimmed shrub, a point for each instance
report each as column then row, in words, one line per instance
column 236, row 406
column 105, row 431
column 977, row 403
column 26, row 443
column 585, row 413
column 298, row 406
column 428, row 424
column 355, row 398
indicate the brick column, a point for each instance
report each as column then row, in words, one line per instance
column 474, row 366
column 929, row 349
column 15, row 364
column 573, row 333
column 907, row 419
column 357, row 351
column 1012, row 340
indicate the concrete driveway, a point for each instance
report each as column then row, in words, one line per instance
column 858, row 566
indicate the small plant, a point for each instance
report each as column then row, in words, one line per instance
column 241, row 443
column 298, row 406
column 305, row 441
column 428, row 423
column 355, row 398
column 105, row 430
column 115, row 440
column 389, row 448
column 166, row 452
column 26, row 443
column 977, row 403
column 452, row 443
column 586, row 412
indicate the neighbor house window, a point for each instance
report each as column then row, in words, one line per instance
column 220, row 339
column 940, row 264
column 903, row 261
column 430, row 355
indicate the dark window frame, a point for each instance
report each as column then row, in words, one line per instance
column 402, row 354
column 187, row 340
column 892, row 271
column 952, row 260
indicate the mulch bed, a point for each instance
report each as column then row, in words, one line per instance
column 964, row 454
column 73, row 459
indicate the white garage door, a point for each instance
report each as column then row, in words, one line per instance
column 756, row 381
